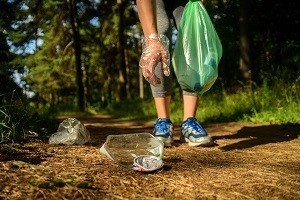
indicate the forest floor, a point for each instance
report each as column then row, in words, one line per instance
column 248, row 161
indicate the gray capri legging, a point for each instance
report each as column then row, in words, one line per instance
column 167, row 10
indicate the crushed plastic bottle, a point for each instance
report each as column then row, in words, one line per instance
column 125, row 148
column 146, row 163
column 70, row 131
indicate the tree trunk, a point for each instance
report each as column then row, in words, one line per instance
column 122, row 79
column 128, row 85
column 77, row 49
column 245, row 60
column 141, row 78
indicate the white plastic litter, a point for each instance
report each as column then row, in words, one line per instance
column 146, row 163
column 70, row 131
column 127, row 149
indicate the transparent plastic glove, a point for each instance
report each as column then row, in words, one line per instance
column 155, row 50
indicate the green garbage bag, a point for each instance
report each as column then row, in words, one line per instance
column 197, row 51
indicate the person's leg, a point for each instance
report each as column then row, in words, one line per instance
column 191, row 130
column 162, row 93
column 163, row 106
column 190, row 100
column 163, row 128
column 190, row 105
column 165, row 10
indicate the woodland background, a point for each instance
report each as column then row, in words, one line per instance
column 83, row 55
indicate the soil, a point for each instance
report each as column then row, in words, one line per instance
column 248, row 161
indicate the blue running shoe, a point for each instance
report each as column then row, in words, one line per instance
column 193, row 133
column 163, row 130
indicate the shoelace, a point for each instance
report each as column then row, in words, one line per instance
column 195, row 126
column 162, row 126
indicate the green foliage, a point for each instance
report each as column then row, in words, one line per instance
column 18, row 120
column 36, row 37
column 12, row 120
column 278, row 103
column 51, row 66
column 134, row 109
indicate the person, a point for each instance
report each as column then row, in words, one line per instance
column 155, row 17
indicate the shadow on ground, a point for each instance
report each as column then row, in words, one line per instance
column 248, row 136
column 261, row 135
column 25, row 154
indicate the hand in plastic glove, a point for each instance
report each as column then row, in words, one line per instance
column 155, row 51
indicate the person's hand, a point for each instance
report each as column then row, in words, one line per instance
column 155, row 50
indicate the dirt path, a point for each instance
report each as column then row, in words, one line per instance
column 250, row 161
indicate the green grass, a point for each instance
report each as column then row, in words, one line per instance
column 279, row 103
column 18, row 119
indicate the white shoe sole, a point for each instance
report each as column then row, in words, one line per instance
column 202, row 142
